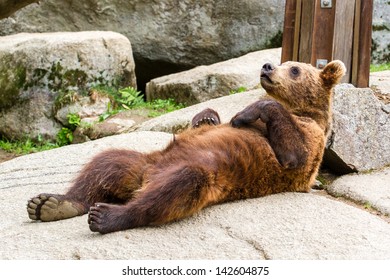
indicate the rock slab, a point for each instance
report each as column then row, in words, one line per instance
column 208, row 82
column 370, row 189
column 360, row 138
column 41, row 72
column 293, row 226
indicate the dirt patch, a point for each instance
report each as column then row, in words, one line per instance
column 385, row 98
column 5, row 156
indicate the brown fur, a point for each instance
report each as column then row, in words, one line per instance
column 274, row 145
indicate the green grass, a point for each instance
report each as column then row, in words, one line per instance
column 238, row 90
column 379, row 67
column 367, row 205
column 160, row 107
column 129, row 98
column 25, row 146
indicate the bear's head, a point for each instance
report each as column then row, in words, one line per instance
column 300, row 86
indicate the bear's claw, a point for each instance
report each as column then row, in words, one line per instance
column 206, row 117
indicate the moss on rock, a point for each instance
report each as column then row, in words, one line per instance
column 12, row 80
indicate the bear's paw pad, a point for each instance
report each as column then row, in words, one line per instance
column 49, row 207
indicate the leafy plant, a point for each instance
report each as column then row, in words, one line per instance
column 73, row 120
column 64, row 137
column 238, row 90
column 130, row 97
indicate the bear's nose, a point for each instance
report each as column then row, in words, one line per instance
column 268, row 67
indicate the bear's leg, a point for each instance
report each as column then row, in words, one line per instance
column 111, row 176
column 176, row 192
column 206, row 117
column 284, row 134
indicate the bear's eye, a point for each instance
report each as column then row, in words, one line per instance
column 295, row 71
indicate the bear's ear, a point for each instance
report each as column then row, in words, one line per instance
column 332, row 73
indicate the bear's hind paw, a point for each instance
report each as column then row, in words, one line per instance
column 106, row 218
column 52, row 207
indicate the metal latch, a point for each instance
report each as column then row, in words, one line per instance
column 320, row 63
column 326, row 4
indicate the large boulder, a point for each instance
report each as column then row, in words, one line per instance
column 207, row 82
column 167, row 35
column 380, row 50
column 170, row 35
column 360, row 137
column 42, row 73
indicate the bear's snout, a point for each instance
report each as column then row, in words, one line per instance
column 265, row 75
column 267, row 68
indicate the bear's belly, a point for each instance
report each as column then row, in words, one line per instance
column 241, row 161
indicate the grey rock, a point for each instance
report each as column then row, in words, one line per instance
column 175, row 34
column 93, row 128
column 381, row 32
column 40, row 72
column 84, row 107
column 32, row 118
column 360, row 137
column 386, row 108
column 292, row 226
column 207, row 82
column 371, row 189
column 112, row 126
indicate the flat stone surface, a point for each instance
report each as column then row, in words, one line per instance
column 381, row 80
column 283, row 226
column 372, row 189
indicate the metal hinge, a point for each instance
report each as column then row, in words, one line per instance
column 326, row 4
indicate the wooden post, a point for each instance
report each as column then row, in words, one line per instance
column 288, row 30
column 306, row 40
column 364, row 53
column 323, row 26
column 312, row 32
column 355, row 53
column 343, row 34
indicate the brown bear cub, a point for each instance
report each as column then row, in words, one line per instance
column 274, row 145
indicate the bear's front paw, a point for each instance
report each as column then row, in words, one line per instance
column 262, row 109
column 238, row 120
